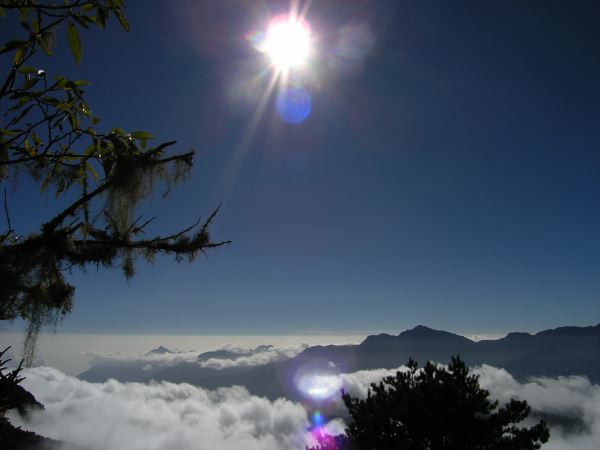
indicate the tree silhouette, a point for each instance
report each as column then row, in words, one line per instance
column 14, row 396
column 49, row 134
column 435, row 408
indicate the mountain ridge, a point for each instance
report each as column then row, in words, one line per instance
column 561, row 351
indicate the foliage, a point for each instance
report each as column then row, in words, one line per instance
column 436, row 408
column 49, row 133
column 14, row 396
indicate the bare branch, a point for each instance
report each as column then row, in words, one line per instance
column 10, row 228
column 210, row 219
column 50, row 226
column 162, row 146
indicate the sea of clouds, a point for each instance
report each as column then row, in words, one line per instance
column 238, row 357
column 114, row 415
column 132, row 416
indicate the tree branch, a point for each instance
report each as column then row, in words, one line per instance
column 50, row 226
column 10, row 228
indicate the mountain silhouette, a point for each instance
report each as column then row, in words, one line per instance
column 159, row 351
column 561, row 351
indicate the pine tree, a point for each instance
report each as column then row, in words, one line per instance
column 435, row 408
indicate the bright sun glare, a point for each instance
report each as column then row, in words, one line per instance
column 287, row 42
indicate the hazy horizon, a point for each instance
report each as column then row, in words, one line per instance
column 69, row 352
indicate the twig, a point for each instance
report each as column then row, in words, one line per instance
column 50, row 226
column 210, row 219
column 10, row 229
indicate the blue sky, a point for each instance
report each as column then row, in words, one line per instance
column 450, row 176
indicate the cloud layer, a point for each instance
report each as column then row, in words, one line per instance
column 253, row 357
column 131, row 416
column 573, row 400
column 156, row 416
column 232, row 356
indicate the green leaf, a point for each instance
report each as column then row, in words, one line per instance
column 30, row 83
column 2, row 12
column 74, row 42
column 19, row 56
column 141, row 135
column 102, row 15
column 20, row 116
column 45, row 184
column 52, row 101
column 87, row 7
column 27, row 69
column 23, row 98
column 36, row 139
column 91, row 149
column 46, row 40
column 91, row 170
column 74, row 122
column 23, row 13
column 122, row 19
column 61, row 185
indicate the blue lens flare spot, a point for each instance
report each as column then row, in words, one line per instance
column 317, row 419
column 293, row 104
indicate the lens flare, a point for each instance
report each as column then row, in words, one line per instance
column 321, row 435
column 317, row 419
column 320, row 387
column 287, row 42
column 293, row 104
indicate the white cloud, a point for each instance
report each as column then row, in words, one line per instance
column 131, row 416
column 239, row 357
column 358, row 383
column 571, row 397
column 478, row 337
column 256, row 357
column 155, row 416
column 167, row 359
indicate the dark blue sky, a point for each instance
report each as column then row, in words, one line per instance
column 449, row 177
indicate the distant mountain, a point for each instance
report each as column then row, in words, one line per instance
column 421, row 343
column 557, row 352
column 149, row 367
column 229, row 354
column 561, row 351
column 159, row 351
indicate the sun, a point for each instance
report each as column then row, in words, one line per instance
column 287, row 42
